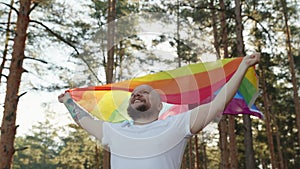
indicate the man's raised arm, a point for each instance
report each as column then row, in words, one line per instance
column 81, row 117
column 204, row 114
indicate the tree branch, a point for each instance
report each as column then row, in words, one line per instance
column 5, row 23
column 21, row 95
column 56, row 35
column 33, row 7
column 11, row 7
column 21, row 149
column 69, row 44
column 264, row 29
column 40, row 60
column 4, row 76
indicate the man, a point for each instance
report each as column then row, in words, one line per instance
column 146, row 142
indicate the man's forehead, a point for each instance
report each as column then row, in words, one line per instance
column 143, row 87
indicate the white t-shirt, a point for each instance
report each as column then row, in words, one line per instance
column 158, row 145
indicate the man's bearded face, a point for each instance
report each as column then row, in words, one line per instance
column 143, row 102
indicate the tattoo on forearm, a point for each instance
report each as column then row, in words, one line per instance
column 76, row 112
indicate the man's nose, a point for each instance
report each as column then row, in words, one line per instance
column 137, row 94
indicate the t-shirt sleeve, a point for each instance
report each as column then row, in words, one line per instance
column 105, row 137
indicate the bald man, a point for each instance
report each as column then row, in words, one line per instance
column 146, row 142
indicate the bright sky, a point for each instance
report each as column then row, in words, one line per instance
column 30, row 110
column 35, row 105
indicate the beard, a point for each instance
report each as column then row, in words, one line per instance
column 141, row 112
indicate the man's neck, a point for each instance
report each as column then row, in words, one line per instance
column 144, row 121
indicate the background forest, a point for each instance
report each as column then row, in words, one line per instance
column 49, row 46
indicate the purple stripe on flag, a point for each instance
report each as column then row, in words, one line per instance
column 239, row 106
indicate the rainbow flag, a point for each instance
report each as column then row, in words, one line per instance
column 181, row 89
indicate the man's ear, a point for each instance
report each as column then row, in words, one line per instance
column 160, row 106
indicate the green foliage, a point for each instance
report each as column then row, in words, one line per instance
column 37, row 150
column 78, row 150
column 45, row 149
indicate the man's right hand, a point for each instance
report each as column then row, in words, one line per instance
column 63, row 97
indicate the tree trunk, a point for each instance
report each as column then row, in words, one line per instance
column 281, row 163
column 224, row 28
column 7, row 37
column 97, row 154
column 119, row 61
column 204, row 156
column 222, row 126
column 190, row 153
column 233, row 162
column 223, row 143
column 110, row 40
column 292, row 67
column 267, row 121
column 197, row 161
column 8, row 127
column 239, row 28
column 178, row 34
column 215, row 28
column 232, row 142
column 196, row 153
column 183, row 164
column 248, row 143
column 223, row 130
column 110, row 60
